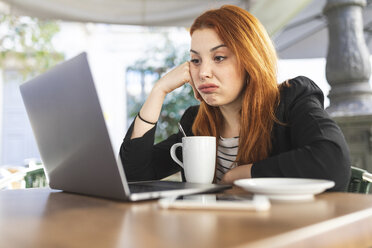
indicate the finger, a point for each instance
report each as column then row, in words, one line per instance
column 187, row 77
column 196, row 93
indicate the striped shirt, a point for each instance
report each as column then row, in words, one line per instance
column 226, row 153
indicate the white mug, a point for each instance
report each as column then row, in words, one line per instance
column 199, row 158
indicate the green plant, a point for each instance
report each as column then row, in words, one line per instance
column 27, row 42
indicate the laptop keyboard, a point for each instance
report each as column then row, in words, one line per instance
column 150, row 187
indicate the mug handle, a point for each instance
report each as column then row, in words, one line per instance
column 173, row 153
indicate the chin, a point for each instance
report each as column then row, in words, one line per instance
column 212, row 103
column 211, row 100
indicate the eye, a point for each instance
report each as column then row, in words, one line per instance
column 195, row 61
column 219, row 58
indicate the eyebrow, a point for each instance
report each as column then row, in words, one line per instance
column 211, row 50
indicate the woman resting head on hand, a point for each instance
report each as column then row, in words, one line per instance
column 263, row 129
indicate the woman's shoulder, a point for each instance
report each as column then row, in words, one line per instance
column 299, row 88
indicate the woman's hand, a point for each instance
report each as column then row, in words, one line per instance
column 176, row 78
column 196, row 93
column 239, row 172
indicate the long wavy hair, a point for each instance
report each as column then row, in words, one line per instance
column 245, row 36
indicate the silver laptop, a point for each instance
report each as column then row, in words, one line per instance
column 73, row 140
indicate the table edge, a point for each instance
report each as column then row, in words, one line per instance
column 300, row 234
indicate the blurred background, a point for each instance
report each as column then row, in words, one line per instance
column 130, row 44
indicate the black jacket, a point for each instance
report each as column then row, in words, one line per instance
column 310, row 145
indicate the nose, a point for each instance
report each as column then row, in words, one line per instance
column 205, row 71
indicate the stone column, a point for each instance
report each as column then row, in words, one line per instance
column 348, row 66
column 348, row 71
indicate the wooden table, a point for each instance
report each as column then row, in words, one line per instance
column 47, row 218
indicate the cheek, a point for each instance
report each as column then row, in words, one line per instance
column 194, row 74
column 237, row 82
column 235, row 73
column 238, row 78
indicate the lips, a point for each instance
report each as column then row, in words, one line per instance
column 207, row 88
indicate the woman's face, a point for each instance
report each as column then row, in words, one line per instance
column 214, row 70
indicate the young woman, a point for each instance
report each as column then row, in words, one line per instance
column 263, row 129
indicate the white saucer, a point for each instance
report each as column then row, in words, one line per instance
column 285, row 189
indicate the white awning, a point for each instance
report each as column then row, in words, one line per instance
column 273, row 14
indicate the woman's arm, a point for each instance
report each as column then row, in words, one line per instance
column 311, row 145
column 142, row 160
column 150, row 110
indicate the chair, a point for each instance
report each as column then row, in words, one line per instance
column 360, row 181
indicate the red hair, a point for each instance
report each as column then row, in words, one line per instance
column 245, row 36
